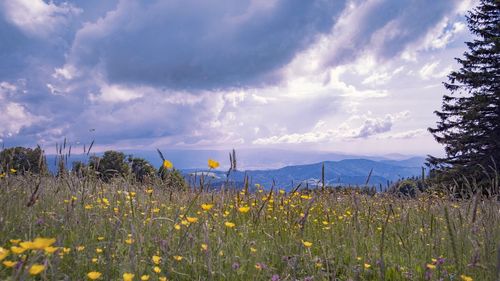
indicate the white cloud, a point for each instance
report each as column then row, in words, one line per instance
column 13, row 118
column 430, row 70
column 37, row 17
column 320, row 134
column 405, row 135
column 118, row 94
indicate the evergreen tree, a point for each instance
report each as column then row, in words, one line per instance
column 469, row 125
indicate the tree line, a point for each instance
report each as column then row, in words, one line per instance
column 112, row 164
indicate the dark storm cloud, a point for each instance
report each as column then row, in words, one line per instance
column 201, row 44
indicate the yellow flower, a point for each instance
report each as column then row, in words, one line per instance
column 157, row 269
column 244, row 209
column 207, row 207
column 156, row 259
column 15, row 241
column 145, row 277
column 178, row 258
column 50, row 250
column 229, row 224
column 212, row 164
column 204, row 247
column 367, row 265
column 80, row 248
column 128, row 276
column 177, row 227
column 307, row 244
column 38, row 243
column 17, row 250
column 163, row 279
column 258, row 266
column 36, row 269
column 464, row 277
column 129, row 241
column 9, row 263
column 149, row 191
column 167, row 164
column 94, row 275
column 3, row 253
column 13, row 170
column 191, row 219
column 430, row 266
column 98, row 250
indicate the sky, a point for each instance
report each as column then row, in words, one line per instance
column 353, row 76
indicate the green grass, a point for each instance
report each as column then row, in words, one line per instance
column 354, row 236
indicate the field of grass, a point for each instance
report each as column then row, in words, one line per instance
column 125, row 231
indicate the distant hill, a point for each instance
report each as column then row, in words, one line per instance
column 345, row 172
column 286, row 168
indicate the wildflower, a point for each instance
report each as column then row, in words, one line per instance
column 260, row 266
column 204, row 247
column 98, row 250
column 167, row 164
column 50, row 250
column 145, row 277
column 229, row 224
column 367, row 265
column 212, row 164
column 178, row 258
column 163, row 278
column 13, row 170
column 275, row 277
column 36, row 269
column 9, row 263
column 149, row 191
column 94, row 275
column 38, row 243
column 207, row 207
column 156, row 259
column 235, row 266
column 129, row 241
column 80, row 248
column 464, row 277
column 307, row 244
column 253, row 250
column 17, row 250
column 157, row 269
column 177, row 227
column 244, row 209
column 192, row 219
column 15, row 241
column 430, row 266
column 3, row 253
column 128, row 276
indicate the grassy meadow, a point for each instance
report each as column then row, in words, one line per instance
column 73, row 228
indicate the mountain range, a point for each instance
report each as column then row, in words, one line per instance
column 285, row 168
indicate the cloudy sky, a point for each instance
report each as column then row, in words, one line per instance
column 353, row 76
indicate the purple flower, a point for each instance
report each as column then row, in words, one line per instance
column 235, row 266
column 308, row 278
column 275, row 277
